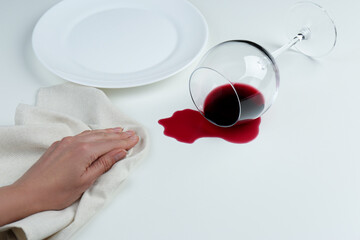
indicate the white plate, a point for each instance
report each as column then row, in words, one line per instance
column 119, row 43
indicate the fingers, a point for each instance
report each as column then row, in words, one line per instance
column 90, row 146
column 87, row 139
column 118, row 151
column 104, row 163
column 113, row 151
column 125, row 141
column 104, row 134
column 108, row 130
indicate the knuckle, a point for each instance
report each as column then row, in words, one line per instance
column 101, row 134
column 83, row 147
column 54, row 144
column 105, row 163
column 93, row 157
column 86, row 131
column 67, row 140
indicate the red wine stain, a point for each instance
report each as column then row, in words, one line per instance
column 189, row 125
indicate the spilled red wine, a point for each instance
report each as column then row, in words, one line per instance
column 221, row 107
column 189, row 125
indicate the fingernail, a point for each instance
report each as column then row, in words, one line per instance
column 120, row 155
column 134, row 137
column 130, row 133
column 117, row 129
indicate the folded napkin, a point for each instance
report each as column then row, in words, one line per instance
column 60, row 111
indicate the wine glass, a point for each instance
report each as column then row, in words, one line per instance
column 238, row 80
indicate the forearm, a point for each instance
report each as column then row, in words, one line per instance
column 15, row 203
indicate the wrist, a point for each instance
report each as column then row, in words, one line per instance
column 27, row 198
column 14, row 204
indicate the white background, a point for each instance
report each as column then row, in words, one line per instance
column 299, row 179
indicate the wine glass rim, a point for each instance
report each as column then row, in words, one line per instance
column 228, row 82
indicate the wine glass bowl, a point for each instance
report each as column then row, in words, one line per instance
column 235, row 81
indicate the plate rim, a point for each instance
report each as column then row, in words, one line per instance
column 88, row 82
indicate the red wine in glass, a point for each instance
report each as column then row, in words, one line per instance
column 222, row 107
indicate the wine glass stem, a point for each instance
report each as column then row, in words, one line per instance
column 298, row 38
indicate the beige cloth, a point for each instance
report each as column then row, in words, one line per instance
column 60, row 111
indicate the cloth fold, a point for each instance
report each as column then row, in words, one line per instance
column 63, row 110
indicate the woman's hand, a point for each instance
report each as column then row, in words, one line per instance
column 64, row 172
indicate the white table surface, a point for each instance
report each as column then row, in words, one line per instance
column 299, row 179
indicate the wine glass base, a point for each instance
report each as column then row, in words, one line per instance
column 312, row 21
